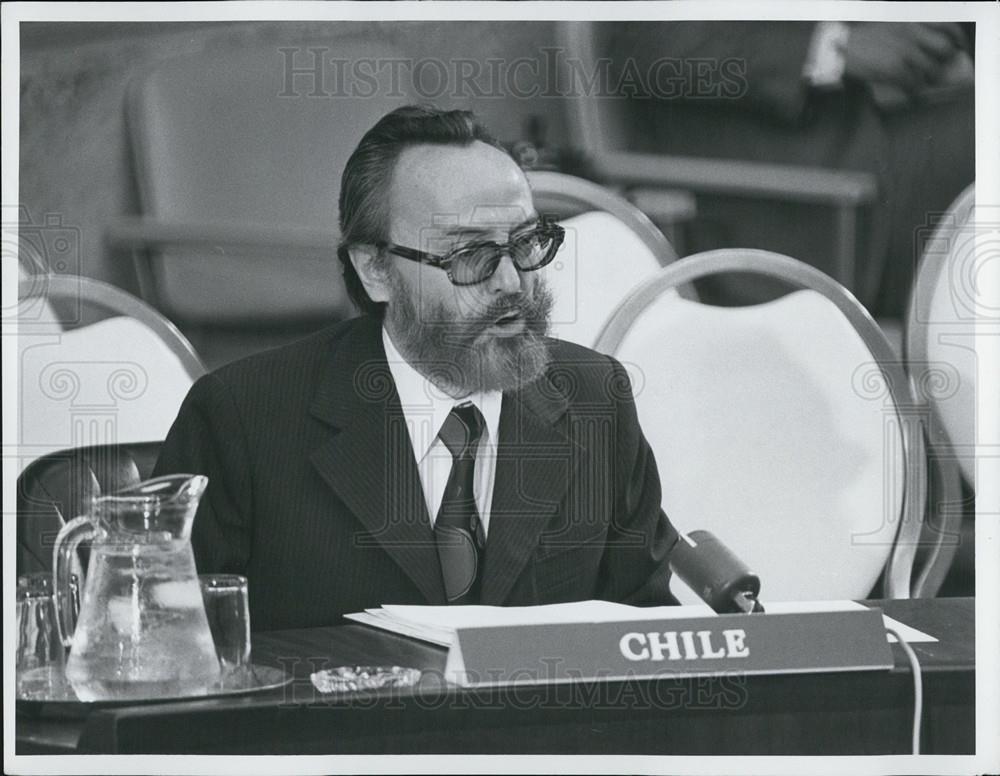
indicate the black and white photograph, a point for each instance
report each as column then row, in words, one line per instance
column 487, row 387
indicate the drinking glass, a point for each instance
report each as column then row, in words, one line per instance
column 227, row 607
column 41, row 657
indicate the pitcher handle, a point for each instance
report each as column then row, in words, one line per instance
column 63, row 555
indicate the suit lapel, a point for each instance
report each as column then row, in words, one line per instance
column 535, row 463
column 367, row 459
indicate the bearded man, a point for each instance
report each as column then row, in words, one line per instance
column 439, row 448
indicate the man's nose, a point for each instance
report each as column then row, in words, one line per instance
column 506, row 279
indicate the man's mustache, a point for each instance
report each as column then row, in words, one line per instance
column 512, row 303
column 533, row 307
column 529, row 306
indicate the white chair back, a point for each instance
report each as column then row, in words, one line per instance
column 119, row 379
column 775, row 427
column 941, row 326
column 610, row 247
column 600, row 261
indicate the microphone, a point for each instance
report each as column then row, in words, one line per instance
column 719, row 578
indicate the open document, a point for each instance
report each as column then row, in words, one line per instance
column 437, row 624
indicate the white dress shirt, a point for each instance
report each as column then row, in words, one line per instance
column 425, row 408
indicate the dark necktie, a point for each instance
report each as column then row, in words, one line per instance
column 458, row 531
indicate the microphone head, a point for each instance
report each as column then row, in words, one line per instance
column 713, row 572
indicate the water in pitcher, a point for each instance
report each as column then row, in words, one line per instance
column 147, row 636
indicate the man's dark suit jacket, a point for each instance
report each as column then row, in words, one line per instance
column 314, row 493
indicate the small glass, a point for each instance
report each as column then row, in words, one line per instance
column 227, row 607
column 41, row 657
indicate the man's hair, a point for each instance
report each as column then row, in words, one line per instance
column 364, row 186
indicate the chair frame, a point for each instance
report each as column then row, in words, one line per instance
column 34, row 541
column 141, row 235
column 577, row 192
column 896, row 582
column 117, row 301
column 932, row 265
column 847, row 192
column 948, row 480
column 149, row 238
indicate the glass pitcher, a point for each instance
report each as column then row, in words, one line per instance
column 141, row 631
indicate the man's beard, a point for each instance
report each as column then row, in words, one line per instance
column 452, row 352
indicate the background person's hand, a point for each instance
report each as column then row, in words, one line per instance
column 905, row 56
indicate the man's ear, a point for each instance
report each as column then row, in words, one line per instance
column 373, row 277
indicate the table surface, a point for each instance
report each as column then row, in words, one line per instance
column 860, row 712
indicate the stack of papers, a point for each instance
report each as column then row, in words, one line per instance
column 437, row 624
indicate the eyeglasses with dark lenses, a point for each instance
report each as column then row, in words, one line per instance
column 476, row 262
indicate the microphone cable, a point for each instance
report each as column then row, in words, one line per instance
column 918, row 687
